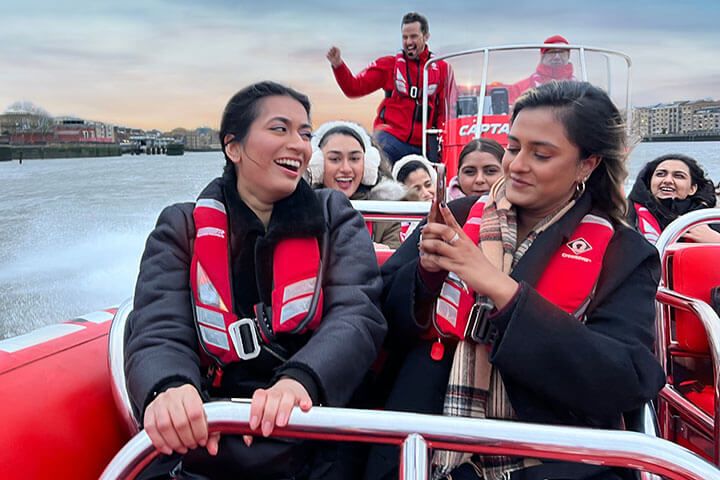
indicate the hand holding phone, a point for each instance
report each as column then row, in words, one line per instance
column 440, row 193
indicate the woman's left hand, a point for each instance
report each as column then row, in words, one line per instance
column 702, row 234
column 272, row 407
column 449, row 247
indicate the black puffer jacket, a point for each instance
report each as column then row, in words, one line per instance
column 162, row 345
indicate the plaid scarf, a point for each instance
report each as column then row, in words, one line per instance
column 475, row 388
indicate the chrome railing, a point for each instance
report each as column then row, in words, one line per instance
column 116, row 360
column 710, row 321
column 417, row 434
column 391, row 210
column 681, row 225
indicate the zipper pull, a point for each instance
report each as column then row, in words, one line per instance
column 437, row 351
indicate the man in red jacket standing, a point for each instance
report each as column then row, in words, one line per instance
column 398, row 125
column 554, row 65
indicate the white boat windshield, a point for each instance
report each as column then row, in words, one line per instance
column 482, row 86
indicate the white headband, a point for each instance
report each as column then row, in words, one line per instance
column 414, row 158
column 372, row 155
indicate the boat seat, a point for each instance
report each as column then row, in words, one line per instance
column 694, row 272
column 704, row 398
column 382, row 255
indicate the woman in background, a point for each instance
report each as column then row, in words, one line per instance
column 418, row 175
column 479, row 167
column 345, row 159
column 666, row 188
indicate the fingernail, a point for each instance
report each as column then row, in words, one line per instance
column 254, row 421
column 443, row 204
column 266, row 429
column 281, row 420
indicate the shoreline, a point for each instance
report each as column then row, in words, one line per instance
column 682, row 138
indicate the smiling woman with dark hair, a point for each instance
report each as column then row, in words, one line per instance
column 534, row 303
column 666, row 188
column 262, row 289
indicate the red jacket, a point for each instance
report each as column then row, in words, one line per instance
column 400, row 112
column 543, row 74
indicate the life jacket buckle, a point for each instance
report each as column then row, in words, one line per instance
column 413, row 92
column 244, row 338
column 479, row 326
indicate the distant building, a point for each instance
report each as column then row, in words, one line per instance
column 203, row 138
column 681, row 118
column 706, row 120
column 77, row 130
column 24, row 123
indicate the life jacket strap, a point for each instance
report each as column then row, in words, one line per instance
column 480, row 328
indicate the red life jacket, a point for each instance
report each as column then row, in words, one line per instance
column 401, row 110
column 297, row 296
column 647, row 224
column 568, row 281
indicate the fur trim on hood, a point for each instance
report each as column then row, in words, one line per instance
column 453, row 191
column 386, row 189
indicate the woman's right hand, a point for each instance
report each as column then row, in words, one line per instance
column 175, row 422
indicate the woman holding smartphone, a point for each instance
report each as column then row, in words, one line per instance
column 535, row 303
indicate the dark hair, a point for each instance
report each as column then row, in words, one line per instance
column 413, row 17
column 409, row 168
column 341, row 130
column 243, row 108
column 595, row 126
column 697, row 174
column 487, row 145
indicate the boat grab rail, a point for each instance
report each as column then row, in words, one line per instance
column 678, row 227
column 391, row 210
column 116, row 363
column 711, row 322
column 417, row 433
column 669, row 236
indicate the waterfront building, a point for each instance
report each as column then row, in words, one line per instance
column 680, row 118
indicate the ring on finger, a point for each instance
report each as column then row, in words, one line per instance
column 454, row 239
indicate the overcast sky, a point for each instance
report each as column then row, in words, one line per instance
column 174, row 63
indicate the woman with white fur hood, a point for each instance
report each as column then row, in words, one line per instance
column 345, row 159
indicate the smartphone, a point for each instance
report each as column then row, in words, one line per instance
column 440, row 194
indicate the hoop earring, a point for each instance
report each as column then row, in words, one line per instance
column 579, row 188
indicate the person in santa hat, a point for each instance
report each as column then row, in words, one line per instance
column 554, row 65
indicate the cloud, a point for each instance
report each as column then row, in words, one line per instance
column 166, row 63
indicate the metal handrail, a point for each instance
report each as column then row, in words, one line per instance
column 710, row 321
column 391, row 210
column 415, row 431
column 678, row 227
column 116, row 362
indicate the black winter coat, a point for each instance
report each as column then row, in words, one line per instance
column 162, row 343
column 556, row 369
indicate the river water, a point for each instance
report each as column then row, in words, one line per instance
column 72, row 230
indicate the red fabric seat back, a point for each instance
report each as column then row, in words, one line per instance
column 382, row 255
column 694, row 271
